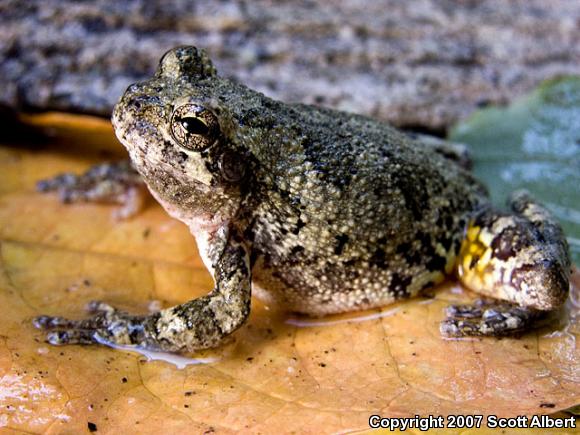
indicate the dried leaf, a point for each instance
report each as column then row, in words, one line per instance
column 279, row 373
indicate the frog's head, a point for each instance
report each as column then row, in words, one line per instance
column 183, row 137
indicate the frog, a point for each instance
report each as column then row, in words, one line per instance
column 317, row 211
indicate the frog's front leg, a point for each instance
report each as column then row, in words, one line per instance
column 521, row 259
column 198, row 324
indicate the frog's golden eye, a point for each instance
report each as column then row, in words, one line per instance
column 194, row 127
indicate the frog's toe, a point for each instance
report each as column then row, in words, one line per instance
column 103, row 315
column 66, row 331
column 483, row 319
column 107, row 324
column 95, row 307
column 465, row 311
column 72, row 336
column 52, row 322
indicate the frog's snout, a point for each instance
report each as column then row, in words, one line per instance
column 186, row 61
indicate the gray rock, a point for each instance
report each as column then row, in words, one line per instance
column 423, row 63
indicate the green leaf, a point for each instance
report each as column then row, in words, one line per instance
column 533, row 144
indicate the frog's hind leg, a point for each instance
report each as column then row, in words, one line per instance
column 521, row 259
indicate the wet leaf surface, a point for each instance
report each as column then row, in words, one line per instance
column 279, row 373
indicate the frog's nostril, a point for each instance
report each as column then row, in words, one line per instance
column 143, row 102
column 133, row 88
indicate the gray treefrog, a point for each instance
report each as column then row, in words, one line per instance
column 318, row 211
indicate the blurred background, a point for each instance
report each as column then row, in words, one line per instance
column 501, row 76
column 419, row 64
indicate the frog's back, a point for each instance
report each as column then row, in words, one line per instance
column 355, row 199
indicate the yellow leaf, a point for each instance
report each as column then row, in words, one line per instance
column 279, row 373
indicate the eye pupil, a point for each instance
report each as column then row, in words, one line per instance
column 194, row 126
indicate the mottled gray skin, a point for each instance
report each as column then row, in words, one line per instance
column 318, row 211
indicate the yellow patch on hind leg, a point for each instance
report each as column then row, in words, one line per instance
column 475, row 267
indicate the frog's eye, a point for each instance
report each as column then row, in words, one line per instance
column 194, row 127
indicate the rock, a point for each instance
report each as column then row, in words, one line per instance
column 422, row 64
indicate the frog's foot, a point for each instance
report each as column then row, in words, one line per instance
column 487, row 319
column 198, row 324
column 111, row 183
column 107, row 324
column 521, row 258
